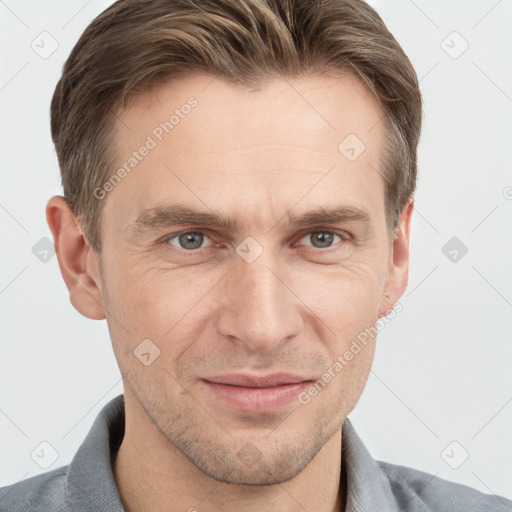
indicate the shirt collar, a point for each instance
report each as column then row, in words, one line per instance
column 368, row 487
column 90, row 483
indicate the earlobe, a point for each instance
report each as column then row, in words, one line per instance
column 78, row 262
column 398, row 272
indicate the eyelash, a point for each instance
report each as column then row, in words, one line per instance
column 345, row 237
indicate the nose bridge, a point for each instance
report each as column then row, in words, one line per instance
column 260, row 310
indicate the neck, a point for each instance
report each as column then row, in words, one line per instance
column 152, row 475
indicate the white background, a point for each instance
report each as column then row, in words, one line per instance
column 442, row 367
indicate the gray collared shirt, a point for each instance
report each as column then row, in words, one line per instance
column 87, row 484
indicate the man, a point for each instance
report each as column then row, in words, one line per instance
column 238, row 191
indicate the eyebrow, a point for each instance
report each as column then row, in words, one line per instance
column 178, row 214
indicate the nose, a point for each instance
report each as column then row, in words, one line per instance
column 259, row 309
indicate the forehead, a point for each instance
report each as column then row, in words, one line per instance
column 313, row 140
column 314, row 111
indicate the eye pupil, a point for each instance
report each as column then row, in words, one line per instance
column 189, row 237
column 325, row 237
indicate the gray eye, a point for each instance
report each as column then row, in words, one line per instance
column 190, row 240
column 322, row 239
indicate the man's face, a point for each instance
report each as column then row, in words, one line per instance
column 262, row 296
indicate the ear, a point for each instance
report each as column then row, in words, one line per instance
column 78, row 262
column 398, row 266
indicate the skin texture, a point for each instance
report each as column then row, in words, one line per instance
column 258, row 155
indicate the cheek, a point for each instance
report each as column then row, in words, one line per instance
column 134, row 306
column 347, row 302
column 343, row 295
column 166, row 306
column 348, row 306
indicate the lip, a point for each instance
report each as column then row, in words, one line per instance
column 257, row 394
column 258, row 381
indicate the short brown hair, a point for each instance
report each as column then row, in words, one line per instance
column 135, row 44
